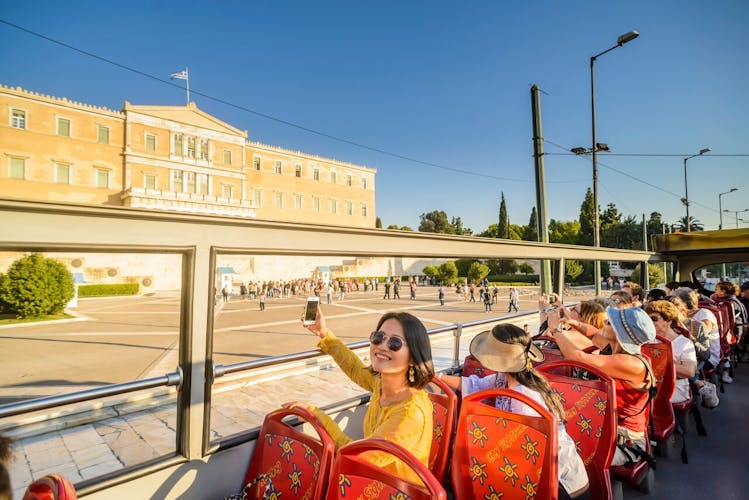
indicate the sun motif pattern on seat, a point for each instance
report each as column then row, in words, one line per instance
column 444, row 410
column 293, row 467
column 356, row 487
column 661, row 358
column 504, row 455
column 439, row 433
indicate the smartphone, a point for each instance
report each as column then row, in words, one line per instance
column 607, row 350
column 310, row 310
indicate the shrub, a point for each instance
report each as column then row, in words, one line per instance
column 108, row 289
column 36, row 286
column 514, row 278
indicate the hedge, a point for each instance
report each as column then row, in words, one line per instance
column 515, row 278
column 111, row 289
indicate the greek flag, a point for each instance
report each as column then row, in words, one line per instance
column 180, row 75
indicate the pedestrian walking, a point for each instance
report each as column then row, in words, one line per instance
column 262, row 300
column 514, row 298
column 387, row 290
column 441, row 295
column 225, row 293
column 487, row 301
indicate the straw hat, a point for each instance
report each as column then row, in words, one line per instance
column 503, row 357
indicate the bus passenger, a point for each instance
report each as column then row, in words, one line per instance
column 400, row 409
column 508, row 350
column 627, row 329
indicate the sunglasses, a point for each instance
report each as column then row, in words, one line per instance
column 393, row 343
column 655, row 318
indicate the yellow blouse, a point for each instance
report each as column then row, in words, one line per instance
column 408, row 423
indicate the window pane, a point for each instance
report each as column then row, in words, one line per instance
column 150, row 142
column 205, row 150
column 191, row 147
column 316, row 204
column 349, row 180
column 103, row 135
column 316, row 174
column 227, row 157
column 62, row 173
column 333, row 177
column 257, row 198
column 63, row 127
column 18, row 119
column 279, row 168
column 298, row 171
column 226, row 191
column 190, row 181
column 279, row 200
column 364, row 210
column 178, row 144
column 17, row 168
column 202, row 183
column 298, row 201
column 256, row 163
column 178, row 181
column 102, row 178
column 149, row 181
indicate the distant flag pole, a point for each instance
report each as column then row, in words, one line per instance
column 183, row 75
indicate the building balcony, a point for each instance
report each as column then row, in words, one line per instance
column 157, row 199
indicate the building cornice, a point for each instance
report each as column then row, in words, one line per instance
column 60, row 101
column 308, row 156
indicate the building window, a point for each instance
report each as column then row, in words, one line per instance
column 349, row 180
column 150, row 142
column 63, row 127
column 333, row 178
column 17, row 118
column 179, row 182
column 102, row 178
column 278, row 167
column 202, row 181
column 349, row 208
column 316, row 174
column 256, row 162
column 102, row 134
column 315, row 203
column 17, row 168
column 191, row 147
column 278, row 199
column 227, row 157
column 257, row 197
column 363, row 209
column 333, row 206
column 178, row 145
column 298, row 170
column 227, row 190
column 149, row 181
column 205, row 150
column 364, row 183
column 298, row 201
column 62, row 173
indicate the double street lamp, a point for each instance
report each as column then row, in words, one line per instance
column 595, row 148
column 720, row 205
column 736, row 214
column 685, row 201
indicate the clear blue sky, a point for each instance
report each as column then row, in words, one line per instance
column 441, row 82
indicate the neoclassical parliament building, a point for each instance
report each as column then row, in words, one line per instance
column 172, row 158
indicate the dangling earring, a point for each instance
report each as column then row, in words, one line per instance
column 411, row 375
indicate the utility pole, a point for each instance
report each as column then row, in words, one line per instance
column 538, row 163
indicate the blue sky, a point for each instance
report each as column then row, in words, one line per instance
column 446, row 83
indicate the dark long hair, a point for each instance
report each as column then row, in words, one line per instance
column 529, row 377
column 419, row 345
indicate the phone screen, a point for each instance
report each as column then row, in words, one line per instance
column 310, row 311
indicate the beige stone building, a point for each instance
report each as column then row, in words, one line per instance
column 175, row 158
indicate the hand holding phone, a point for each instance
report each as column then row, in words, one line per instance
column 310, row 310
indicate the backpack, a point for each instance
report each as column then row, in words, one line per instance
column 699, row 336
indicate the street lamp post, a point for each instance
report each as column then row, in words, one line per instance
column 626, row 37
column 688, row 223
column 736, row 214
column 720, row 205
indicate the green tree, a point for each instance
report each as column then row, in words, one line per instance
column 477, row 271
column 463, row 265
column 378, row 223
column 458, row 228
column 516, row 232
column 36, row 286
column 655, row 275
column 435, row 222
column 525, row 268
column 448, row 272
column 564, row 232
column 503, row 226
column 431, row 271
column 586, row 220
column 572, row 269
column 491, row 232
column 694, row 224
column 402, row 228
column 531, row 230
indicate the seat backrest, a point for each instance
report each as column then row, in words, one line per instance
column 445, row 412
column 661, row 357
column 497, row 451
column 298, row 464
column 471, row 366
column 353, row 477
column 728, row 317
column 50, row 487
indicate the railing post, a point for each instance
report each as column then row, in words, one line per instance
column 456, row 345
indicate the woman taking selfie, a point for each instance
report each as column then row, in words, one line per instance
column 400, row 409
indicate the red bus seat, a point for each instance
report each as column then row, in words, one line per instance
column 499, row 453
column 662, row 419
column 50, row 487
column 353, row 477
column 590, row 409
column 298, row 464
column 445, row 410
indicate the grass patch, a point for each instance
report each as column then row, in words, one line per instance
column 11, row 319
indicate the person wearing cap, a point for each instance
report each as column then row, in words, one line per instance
column 508, row 350
column 626, row 331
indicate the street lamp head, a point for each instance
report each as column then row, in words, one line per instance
column 627, row 37
column 705, row 150
column 602, row 146
column 733, row 189
column 579, row 151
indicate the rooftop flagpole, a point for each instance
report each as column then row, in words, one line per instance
column 183, row 75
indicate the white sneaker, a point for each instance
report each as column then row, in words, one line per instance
column 726, row 364
column 709, row 395
column 726, row 378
